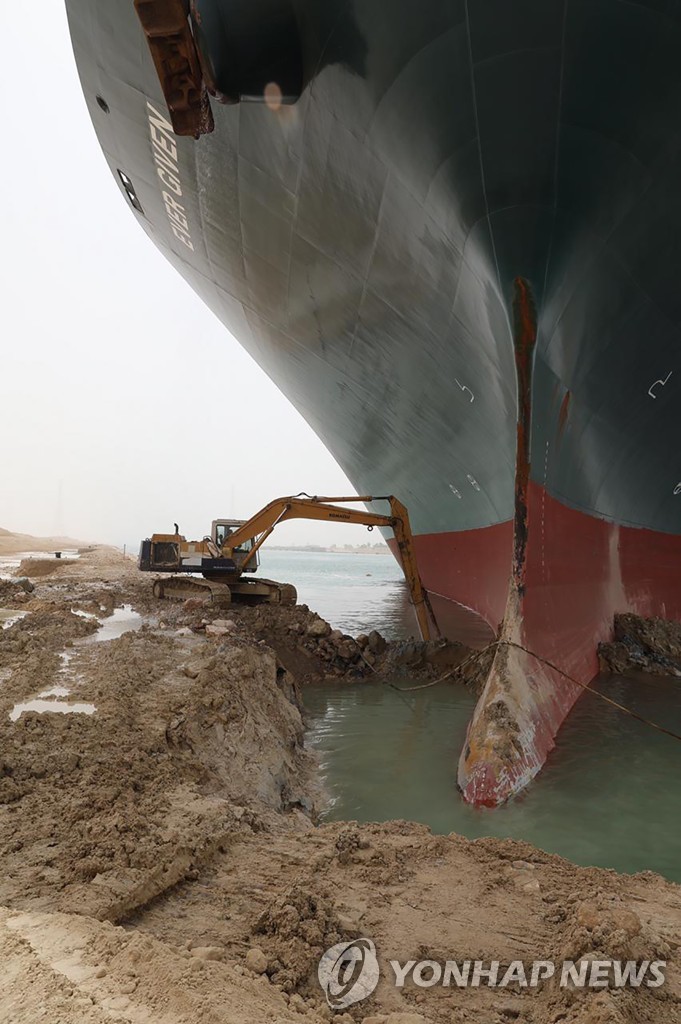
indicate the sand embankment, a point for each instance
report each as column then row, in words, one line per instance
column 161, row 862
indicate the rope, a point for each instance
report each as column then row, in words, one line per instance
column 549, row 664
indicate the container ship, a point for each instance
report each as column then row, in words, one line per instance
column 450, row 231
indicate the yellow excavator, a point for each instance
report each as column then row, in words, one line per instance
column 231, row 551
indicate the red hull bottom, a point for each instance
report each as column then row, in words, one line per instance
column 580, row 571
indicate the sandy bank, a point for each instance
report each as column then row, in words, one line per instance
column 161, row 862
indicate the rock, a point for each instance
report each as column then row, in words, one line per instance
column 297, row 1003
column 376, row 642
column 227, row 624
column 25, row 584
column 347, row 651
column 336, row 635
column 256, row 961
column 215, row 630
column 318, row 628
column 617, row 919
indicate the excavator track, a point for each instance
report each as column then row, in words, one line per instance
column 184, row 588
column 255, row 591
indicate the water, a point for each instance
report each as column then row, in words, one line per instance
column 358, row 593
column 355, row 593
column 608, row 795
column 122, row 620
column 10, row 563
column 42, row 706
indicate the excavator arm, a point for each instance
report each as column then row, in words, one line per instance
column 261, row 525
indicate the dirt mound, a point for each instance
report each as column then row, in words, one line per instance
column 643, row 645
column 15, row 592
column 135, row 795
column 311, row 651
column 183, row 810
column 36, row 567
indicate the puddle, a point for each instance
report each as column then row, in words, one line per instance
column 59, row 706
column 8, row 617
column 54, row 691
column 122, row 620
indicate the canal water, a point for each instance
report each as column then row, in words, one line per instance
column 608, row 796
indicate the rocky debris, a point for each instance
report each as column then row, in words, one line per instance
column 220, row 627
column 318, row 628
column 15, row 592
column 301, row 925
column 609, row 927
column 311, row 651
column 642, row 645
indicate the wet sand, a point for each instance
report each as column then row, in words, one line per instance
column 161, row 861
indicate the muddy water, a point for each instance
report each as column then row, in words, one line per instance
column 122, row 620
column 609, row 795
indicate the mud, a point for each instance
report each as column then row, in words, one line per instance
column 161, row 858
column 642, row 645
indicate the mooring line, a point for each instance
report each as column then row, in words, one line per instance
column 549, row 664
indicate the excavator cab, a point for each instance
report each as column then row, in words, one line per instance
column 243, row 555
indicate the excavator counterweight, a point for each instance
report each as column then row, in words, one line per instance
column 232, row 550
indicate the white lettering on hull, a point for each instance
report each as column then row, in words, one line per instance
column 165, row 157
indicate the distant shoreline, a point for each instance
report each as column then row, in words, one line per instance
column 318, row 550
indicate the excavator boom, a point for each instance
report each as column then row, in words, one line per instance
column 261, row 525
column 222, row 560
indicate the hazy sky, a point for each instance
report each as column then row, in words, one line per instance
column 89, row 307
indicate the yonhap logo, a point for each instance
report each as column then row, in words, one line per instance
column 348, row 972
